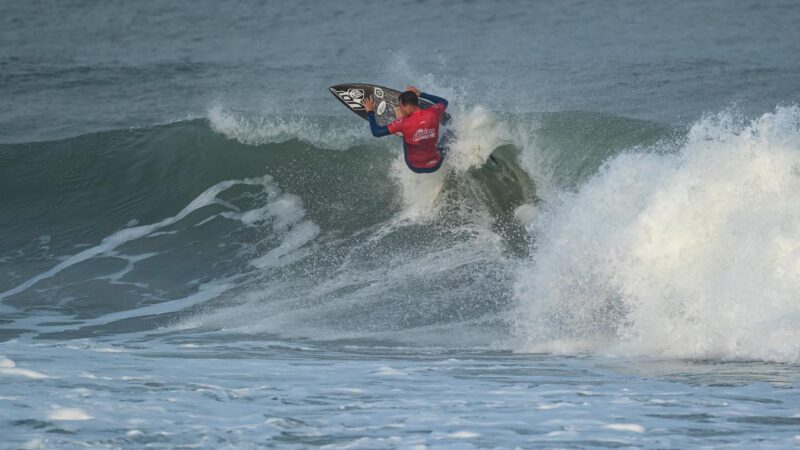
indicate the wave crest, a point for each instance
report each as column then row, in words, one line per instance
column 253, row 129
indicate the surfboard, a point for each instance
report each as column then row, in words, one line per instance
column 352, row 95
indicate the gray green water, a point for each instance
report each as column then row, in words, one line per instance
column 201, row 248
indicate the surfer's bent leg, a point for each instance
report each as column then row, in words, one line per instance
column 377, row 130
column 442, row 145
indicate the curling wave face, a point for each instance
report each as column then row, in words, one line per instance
column 226, row 223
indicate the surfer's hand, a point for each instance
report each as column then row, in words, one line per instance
column 369, row 104
column 414, row 90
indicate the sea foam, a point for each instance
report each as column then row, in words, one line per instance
column 687, row 254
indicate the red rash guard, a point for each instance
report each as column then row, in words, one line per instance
column 420, row 136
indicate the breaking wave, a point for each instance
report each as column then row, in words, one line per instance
column 584, row 233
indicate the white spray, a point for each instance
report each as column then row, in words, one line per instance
column 691, row 254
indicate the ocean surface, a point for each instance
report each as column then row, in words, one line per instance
column 201, row 248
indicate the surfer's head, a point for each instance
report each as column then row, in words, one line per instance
column 407, row 103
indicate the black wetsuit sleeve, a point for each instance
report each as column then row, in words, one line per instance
column 433, row 98
column 377, row 130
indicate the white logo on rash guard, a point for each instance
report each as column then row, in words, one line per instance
column 423, row 134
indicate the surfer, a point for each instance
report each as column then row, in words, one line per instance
column 419, row 127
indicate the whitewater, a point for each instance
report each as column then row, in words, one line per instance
column 201, row 249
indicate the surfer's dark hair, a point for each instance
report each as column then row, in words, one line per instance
column 408, row 98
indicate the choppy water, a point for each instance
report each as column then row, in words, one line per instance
column 201, row 248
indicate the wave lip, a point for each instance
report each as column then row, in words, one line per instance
column 688, row 254
column 252, row 129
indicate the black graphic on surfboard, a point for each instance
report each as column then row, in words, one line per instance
column 352, row 95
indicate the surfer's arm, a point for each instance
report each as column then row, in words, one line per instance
column 432, row 98
column 377, row 130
